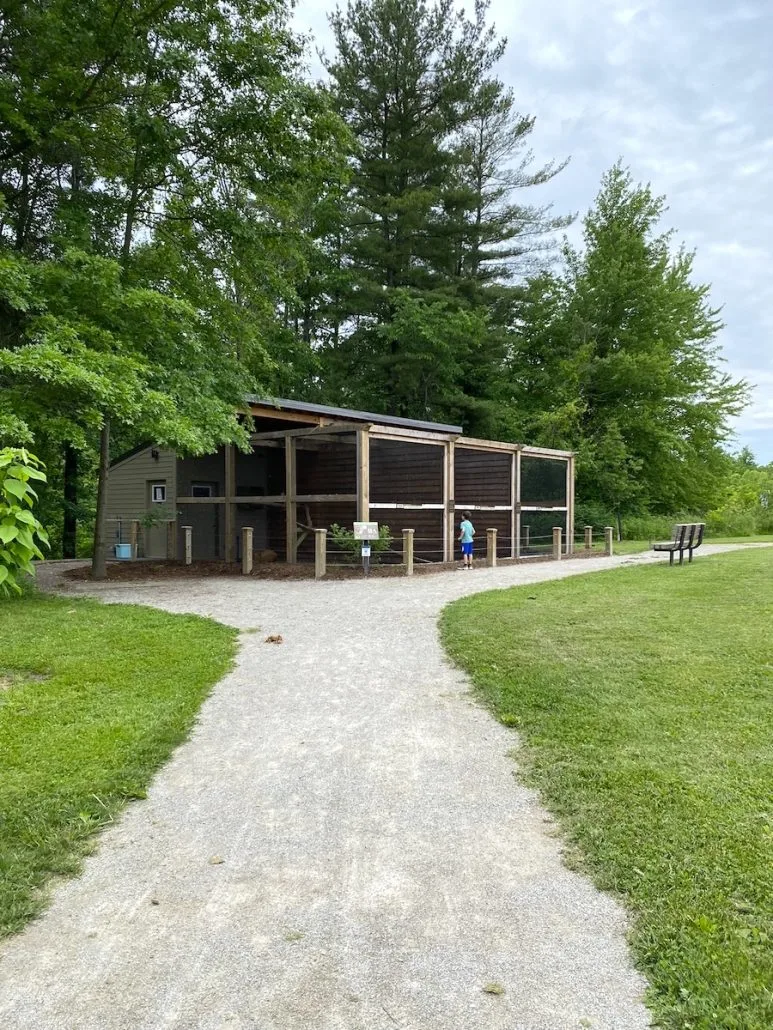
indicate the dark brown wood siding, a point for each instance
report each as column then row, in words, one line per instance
column 406, row 473
column 481, row 477
column 331, row 469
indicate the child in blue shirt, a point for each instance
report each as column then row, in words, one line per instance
column 466, row 533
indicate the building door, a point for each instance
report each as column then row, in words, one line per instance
column 154, row 535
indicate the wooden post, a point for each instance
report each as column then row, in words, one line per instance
column 570, row 506
column 517, row 505
column 557, row 533
column 188, row 534
column 449, row 500
column 230, row 490
column 608, row 545
column 588, row 538
column 526, row 531
column 363, row 475
column 291, row 507
column 246, row 550
column 134, row 535
column 171, row 540
column 491, row 547
column 408, row 535
column 320, row 553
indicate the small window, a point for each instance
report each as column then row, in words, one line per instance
column 201, row 489
column 158, row 493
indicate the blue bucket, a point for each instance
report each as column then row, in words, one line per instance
column 123, row 551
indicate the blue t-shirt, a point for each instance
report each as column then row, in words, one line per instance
column 467, row 530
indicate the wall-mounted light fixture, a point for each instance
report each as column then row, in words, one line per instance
column 154, row 454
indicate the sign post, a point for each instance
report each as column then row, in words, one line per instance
column 365, row 532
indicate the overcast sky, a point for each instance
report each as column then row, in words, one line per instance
column 682, row 90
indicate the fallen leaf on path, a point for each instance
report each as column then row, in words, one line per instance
column 274, row 638
column 216, row 860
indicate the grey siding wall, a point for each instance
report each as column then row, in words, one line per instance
column 128, row 498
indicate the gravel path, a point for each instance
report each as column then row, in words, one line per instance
column 380, row 863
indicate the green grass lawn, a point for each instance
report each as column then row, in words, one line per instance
column 644, row 697
column 93, row 699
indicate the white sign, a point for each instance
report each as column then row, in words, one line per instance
column 366, row 530
column 366, row 550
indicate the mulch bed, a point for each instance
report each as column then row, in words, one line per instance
column 131, row 571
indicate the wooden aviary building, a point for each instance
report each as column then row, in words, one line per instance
column 313, row 465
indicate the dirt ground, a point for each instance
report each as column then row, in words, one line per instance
column 133, row 571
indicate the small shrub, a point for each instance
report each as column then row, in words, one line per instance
column 20, row 531
column 351, row 548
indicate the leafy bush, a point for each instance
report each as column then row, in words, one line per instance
column 20, row 531
column 351, row 548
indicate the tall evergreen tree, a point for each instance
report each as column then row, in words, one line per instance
column 430, row 221
column 618, row 357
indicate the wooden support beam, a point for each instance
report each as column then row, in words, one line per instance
column 474, row 444
column 570, row 506
column 408, row 535
column 588, row 538
column 188, row 538
column 608, row 537
column 517, row 504
column 308, row 431
column 557, row 533
column 264, row 411
column 171, row 540
column 449, row 495
column 134, row 536
column 544, row 452
column 320, row 553
column 513, row 513
column 246, row 550
column 363, row 475
column 200, row 500
column 291, row 506
column 230, row 490
column 491, row 547
column 395, row 433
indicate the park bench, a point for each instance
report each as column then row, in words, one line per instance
column 687, row 536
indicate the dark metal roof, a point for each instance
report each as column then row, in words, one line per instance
column 347, row 413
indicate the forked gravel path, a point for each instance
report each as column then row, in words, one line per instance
column 381, row 863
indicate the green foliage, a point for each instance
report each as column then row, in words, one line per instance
column 428, row 232
column 93, row 699
column 652, row 740
column 21, row 535
column 617, row 358
column 344, row 540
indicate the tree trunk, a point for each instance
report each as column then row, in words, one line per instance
column 98, row 561
column 70, row 521
column 619, row 526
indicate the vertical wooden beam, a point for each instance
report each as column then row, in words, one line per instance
column 570, row 506
column 188, row 534
column 408, row 535
column 557, row 533
column 513, row 494
column 246, row 550
column 608, row 545
column 449, row 501
column 320, row 553
column 517, row 503
column 491, row 547
column 230, row 491
column 134, row 535
column 588, row 538
column 291, row 507
column 363, row 475
column 171, row 540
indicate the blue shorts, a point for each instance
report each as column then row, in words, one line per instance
column 467, row 548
